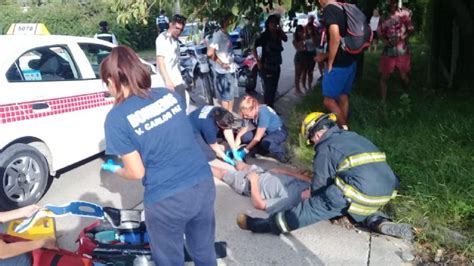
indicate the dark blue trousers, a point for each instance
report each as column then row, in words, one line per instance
column 272, row 142
column 328, row 202
column 188, row 213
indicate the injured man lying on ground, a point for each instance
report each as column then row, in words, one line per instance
column 273, row 190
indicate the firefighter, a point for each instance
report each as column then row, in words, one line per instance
column 351, row 177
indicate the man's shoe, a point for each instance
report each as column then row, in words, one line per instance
column 242, row 221
column 256, row 225
column 404, row 231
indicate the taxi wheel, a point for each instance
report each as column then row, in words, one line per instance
column 24, row 175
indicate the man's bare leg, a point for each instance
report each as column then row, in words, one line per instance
column 406, row 81
column 226, row 105
column 344, row 106
column 383, row 86
column 333, row 107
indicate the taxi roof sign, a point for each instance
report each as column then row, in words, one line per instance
column 28, row 29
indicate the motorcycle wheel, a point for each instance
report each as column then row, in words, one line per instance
column 208, row 89
column 251, row 80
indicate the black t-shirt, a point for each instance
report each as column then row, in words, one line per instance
column 333, row 14
column 271, row 49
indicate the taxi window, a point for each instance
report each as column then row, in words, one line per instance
column 52, row 63
column 95, row 53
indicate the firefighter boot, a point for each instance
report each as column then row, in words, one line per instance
column 380, row 224
column 256, row 225
column 404, row 231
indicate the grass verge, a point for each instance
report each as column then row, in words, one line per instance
column 428, row 137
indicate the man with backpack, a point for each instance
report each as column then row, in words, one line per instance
column 341, row 65
column 162, row 22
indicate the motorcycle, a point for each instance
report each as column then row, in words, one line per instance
column 247, row 72
column 194, row 66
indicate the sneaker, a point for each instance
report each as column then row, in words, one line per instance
column 242, row 221
column 404, row 231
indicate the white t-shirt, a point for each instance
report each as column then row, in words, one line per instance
column 374, row 23
column 168, row 47
column 105, row 36
column 221, row 42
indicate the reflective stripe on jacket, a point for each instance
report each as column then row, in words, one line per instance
column 361, row 203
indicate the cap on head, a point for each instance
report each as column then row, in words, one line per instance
column 315, row 121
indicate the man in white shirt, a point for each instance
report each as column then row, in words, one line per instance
column 167, row 57
column 220, row 50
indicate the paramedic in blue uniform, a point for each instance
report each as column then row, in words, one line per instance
column 351, row 177
column 209, row 122
column 149, row 130
column 270, row 134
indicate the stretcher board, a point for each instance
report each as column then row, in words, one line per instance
column 76, row 208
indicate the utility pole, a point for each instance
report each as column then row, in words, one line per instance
column 177, row 7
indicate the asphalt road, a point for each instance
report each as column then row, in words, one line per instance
column 319, row 244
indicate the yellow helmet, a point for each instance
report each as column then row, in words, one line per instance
column 312, row 120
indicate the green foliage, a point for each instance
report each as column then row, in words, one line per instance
column 427, row 136
column 79, row 20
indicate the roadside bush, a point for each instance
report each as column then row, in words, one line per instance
column 79, row 20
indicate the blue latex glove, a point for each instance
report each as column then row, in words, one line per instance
column 228, row 160
column 239, row 156
column 111, row 166
column 241, row 153
column 229, row 153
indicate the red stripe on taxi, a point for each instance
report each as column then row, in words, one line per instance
column 24, row 111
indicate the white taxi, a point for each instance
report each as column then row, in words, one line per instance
column 52, row 110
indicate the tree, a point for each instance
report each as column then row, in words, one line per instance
column 139, row 10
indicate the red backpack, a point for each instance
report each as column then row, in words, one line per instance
column 358, row 33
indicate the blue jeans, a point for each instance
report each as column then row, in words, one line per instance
column 189, row 212
column 272, row 142
column 226, row 85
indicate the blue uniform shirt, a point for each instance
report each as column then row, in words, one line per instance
column 267, row 118
column 158, row 128
column 204, row 124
